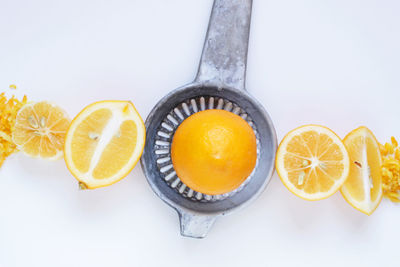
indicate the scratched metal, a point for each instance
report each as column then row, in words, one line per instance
column 221, row 75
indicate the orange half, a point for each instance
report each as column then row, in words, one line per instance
column 214, row 151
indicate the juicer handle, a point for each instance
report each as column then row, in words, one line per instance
column 195, row 225
column 224, row 57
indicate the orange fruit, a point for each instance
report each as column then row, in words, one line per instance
column 363, row 187
column 40, row 130
column 312, row 162
column 104, row 143
column 214, row 151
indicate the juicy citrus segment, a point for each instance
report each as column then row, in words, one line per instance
column 214, row 151
column 86, row 138
column 40, row 130
column 104, row 143
column 312, row 162
column 363, row 188
column 124, row 142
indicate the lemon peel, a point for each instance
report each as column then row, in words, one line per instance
column 391, row 170
column 8, row 112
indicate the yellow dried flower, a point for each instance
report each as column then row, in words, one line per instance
column 391, row 170
column 8, row 111
column 13, row 86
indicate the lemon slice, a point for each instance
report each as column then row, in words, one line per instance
column 363, row 188
column 40, row 130
column 312, row 162
column 104, row 143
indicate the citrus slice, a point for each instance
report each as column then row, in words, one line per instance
column 104, row 143
column 312, row 162
column 40, row 130
column 363, row 188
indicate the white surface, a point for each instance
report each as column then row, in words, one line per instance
column 333, row 62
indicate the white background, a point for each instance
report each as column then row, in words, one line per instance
column 333, row 62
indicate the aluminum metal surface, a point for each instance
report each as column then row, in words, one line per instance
column 221, row 75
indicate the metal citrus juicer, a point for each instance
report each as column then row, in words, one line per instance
column 219, row 84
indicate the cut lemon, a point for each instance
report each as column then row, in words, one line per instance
column 104, row 143
column 40, row 130
column 363, row 188
column 312, row 162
